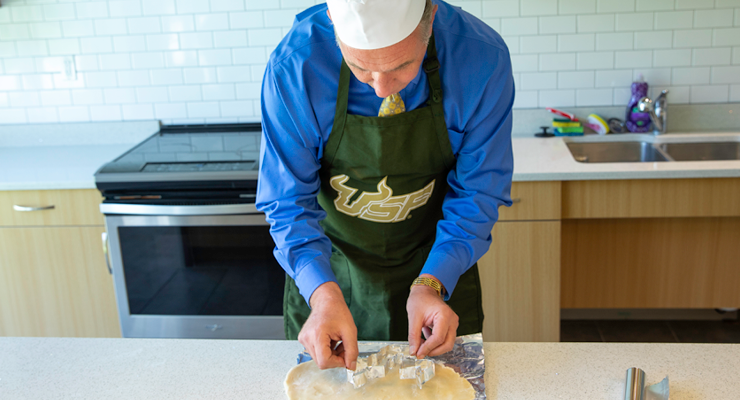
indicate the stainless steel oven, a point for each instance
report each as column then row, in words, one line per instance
column 191, row 256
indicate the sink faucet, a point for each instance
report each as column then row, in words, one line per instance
column 658, row 110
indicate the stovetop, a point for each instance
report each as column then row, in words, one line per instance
column 187, row 158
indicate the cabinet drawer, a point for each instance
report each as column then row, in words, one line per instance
column 533, row 201
column 34, row 207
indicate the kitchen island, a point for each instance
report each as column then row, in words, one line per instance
column 54, row 368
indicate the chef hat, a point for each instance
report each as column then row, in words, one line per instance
column 374, row 24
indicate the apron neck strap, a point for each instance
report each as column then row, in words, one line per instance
column 431, row 68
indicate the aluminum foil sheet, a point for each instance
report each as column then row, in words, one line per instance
column 466, row 359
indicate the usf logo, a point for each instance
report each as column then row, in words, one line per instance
column 380, row 206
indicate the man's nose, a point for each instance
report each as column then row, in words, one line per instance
column 382, row 84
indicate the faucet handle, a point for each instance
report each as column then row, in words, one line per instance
column 662, row 96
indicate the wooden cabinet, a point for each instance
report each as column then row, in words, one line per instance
column 520, row 273
column 53, row 277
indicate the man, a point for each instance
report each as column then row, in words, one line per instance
column 385, row 156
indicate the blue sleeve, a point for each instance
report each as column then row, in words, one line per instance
column 479, row 183
column 289, row 182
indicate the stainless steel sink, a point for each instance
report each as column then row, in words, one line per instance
column 615, row 152
column 709, row 151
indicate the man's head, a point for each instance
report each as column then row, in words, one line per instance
column 389, row 69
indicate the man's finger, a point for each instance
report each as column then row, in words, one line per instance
column 415, row 340
column 349, row 342
column 439, row 336
column 448, row 344
column 325, row 357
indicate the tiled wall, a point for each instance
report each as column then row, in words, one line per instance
column 202, row 61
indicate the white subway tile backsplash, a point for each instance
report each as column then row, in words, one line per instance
column 27, row 13
column 525, row 63
column 227, row 5
column 596, row 23
column 218, row 92
column 676, row 95
column 691, row 76
column 539, row 7
column 169, row 41
column 561, row 24
column 249, row 90
column 178, row 23
column 693, row 4
column 246, row 20
column 64, row 46
column 105, row 113
column 7, row 49
column 265, row 37
column 501, row 8
column 577, row 7
column 170, row 111
column 199, row 40
column 653, row 40
column 5, row 17
column 20, row 65
column 576, row 80
column 112, row 62
column 129, row 44
column 38, row 82
column 692, row 38
column 607, row 6
column 159, row 7
column 212, row 22
column 519, row 26
column 133, row 112
column 165, row 77
column 78, row 28
column 712, row 18
column 655, row 5
column 42, row 115
column 147, row 60
column 538, row 44
column 49, row 64
column 526, row 99
column 284, row 18
column 119, row 96
column 74, row 114
column 718, row 56
column 557, row 98
column 4, row 102
column 672, row 58
column 11, row 116
column 125, row 8
column 56, row 98
column 578, row 42
column 710, row 94
column 113, row 26
column 153, row 95
column 728, row 3
column 214, row 57
column 236, row 108
column 558, row 62
column 494, row 23
column 736, row 55
column 14, row 31
column 92, row 10
column 594, row 97
column 61, row 83
column 32, row 48
column 200, row 75
column 596, row 60
column 539, row 80
column 59, row 12
column 233, row 74
column 96, row 45
column 186, row 93
column 512, row 42
column 187, row 58
column 45, row 30
column 635, row 21
column 633, row 59
column 144, row 25
column 100, row 79
column 622, row 96
column 614, row 41
column 236, row 38
column 674, row 20
column 735, row 93
column 654, row 76
column 204, row 110
column 133, row 78
column 613, row 78
column 726, row 74
column 192, row 7
column 24, row 99
column 724, row 37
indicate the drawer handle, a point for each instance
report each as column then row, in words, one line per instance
column 517, row 200
column 16, row 207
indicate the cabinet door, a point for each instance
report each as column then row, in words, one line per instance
column 54, row 282
column 520, row 276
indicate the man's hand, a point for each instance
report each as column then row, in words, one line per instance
column 429, row 314
column 329, row 323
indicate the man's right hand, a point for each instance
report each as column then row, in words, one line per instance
column 329, row 323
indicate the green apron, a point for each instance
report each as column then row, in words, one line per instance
column 383, row 181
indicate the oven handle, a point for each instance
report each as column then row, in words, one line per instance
column 149, row 209
column 104, row 236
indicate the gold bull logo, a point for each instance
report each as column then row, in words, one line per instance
column 380, row 206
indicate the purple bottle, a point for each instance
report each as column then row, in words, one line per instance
column 635, row 120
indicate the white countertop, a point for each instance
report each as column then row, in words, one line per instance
column 72, row 167
column 51, row 368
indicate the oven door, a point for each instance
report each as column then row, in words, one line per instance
column 181, row 274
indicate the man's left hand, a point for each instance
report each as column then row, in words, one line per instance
column 429, row 314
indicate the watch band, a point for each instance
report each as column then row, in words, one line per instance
column 432, row 283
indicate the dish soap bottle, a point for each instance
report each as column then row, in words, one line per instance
column 635, row 120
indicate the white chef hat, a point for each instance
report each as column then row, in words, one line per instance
column 374, row 24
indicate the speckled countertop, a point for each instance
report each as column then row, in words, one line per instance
column 52, row 368
column 72, row 166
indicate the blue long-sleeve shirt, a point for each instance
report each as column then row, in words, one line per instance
column 299, row 95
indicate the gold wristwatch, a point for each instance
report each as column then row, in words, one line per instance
column 432, row 283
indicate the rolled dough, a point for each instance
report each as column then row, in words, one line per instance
column 307, row 382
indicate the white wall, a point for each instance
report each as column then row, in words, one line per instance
column 202, row 61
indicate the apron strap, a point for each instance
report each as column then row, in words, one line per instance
column 340, row 114
column 431, row 68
